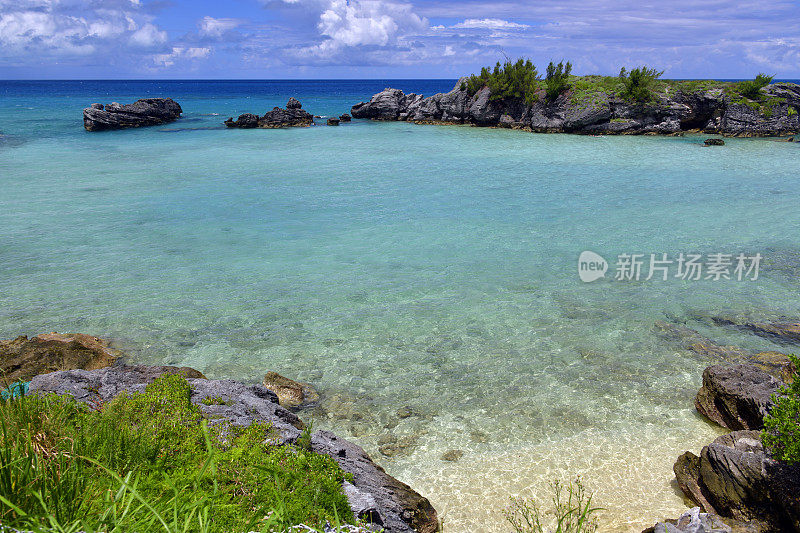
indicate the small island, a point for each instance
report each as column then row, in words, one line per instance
column 639, row 102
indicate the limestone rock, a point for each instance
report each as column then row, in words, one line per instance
column 737, row 396
column 145, row 112
column 291, row 394
column 23, row 358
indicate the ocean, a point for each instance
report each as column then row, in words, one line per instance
column 393, row 265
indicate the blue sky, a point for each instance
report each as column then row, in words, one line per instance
column 391, row 38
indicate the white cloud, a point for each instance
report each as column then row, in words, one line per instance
column 490, row 24
column 216, row 27
column 148, row 36
column 181, row 53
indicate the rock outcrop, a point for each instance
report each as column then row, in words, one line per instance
column 22, row 358
column 734, row 477
column 780, row 331
column 145, row 112
column 292, row 116
column 692, row 521
column 291, row 394
column 374, row 495
column 596, row 112
column 736, row 396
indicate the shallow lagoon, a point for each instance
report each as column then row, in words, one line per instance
column 396, row 265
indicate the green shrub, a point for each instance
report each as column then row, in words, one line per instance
column 557, row 79
column 791, row 111
column 781, row 435
column 572, row 512
column 752, row 88
column 637, row 84
column 507, row 80
column 148, row 462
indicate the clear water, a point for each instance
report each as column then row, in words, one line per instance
column 397, row 265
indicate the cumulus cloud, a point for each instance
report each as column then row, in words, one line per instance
column 179, row 53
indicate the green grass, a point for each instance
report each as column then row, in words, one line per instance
column 149, row 462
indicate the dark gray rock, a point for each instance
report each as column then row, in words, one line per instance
column 333, row 121
column 598, row 113
column 245, row 121
column 345, row 118
column 293, row 103
column 714, row 142
column 374, row 495
column 737, row 396
column 292, row 116
column 734, row 477
column 399, row 507
column 145, row 112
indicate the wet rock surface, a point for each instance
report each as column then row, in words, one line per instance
column 23, row 358
column 144, row 112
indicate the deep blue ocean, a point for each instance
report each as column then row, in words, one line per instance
column 394, row 265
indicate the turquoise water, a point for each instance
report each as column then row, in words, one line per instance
column 396, row 265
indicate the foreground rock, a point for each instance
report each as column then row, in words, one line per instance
column 292, row 116
column 692, row 521
column 711, row 111
column 291, row 394
column 374, row 495
column 737, row 396
column 733, row 477
column 145, row 112
column 22, row 358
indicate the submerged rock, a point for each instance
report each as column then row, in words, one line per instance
column 292, row 116
column 780, row 331
column 737, row 396
column 374, row 495
column 733, row 477
column 145, row 112
column 333, row 121
column 291, row 394
column 714, row 142
column 23, row 358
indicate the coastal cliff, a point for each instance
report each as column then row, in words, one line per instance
column 593, row 105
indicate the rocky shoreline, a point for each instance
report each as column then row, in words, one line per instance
column 374, row 496
column 671, row 112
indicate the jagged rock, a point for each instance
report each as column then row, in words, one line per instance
column 291, row 394
column 345, row 118
column 23, row 358
column 292, row 116
column 734, row 477
column 145, row 112
column 714, row 142
column 333, row 121
column 737, row 396
column 400, row 508
column 374, row 495
column 245, row 121
column 598, row 112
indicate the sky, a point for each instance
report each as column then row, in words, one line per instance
column 318, row 39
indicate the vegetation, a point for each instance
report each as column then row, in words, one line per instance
column 781, row 435
column 149, row 462
column 572, row 511
column 557, row 79
column 752, row 88
column 508, row 80
column 638, row 83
